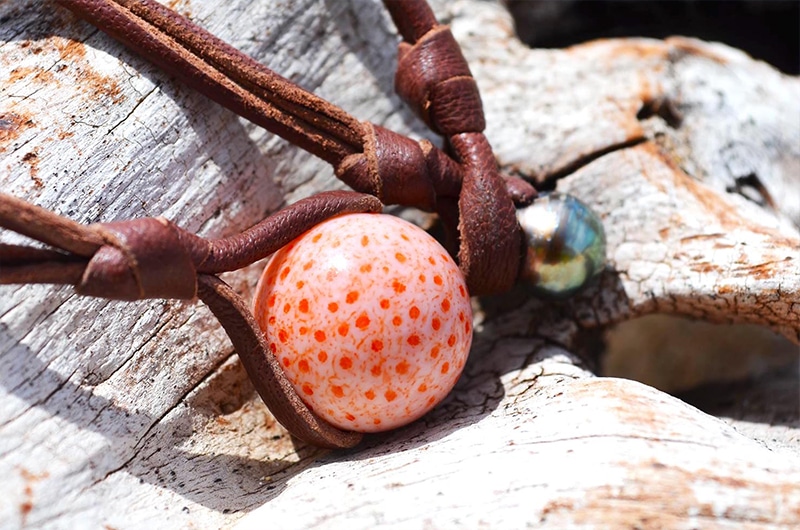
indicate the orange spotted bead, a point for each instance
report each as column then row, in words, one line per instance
column 366, row 314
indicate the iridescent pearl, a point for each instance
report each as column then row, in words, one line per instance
column 566, row 244
column 370, row 319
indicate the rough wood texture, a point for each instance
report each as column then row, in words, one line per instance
column 139, row 415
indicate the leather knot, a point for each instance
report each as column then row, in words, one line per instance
column 143, row 258
column 434, row 79
column 392, row 167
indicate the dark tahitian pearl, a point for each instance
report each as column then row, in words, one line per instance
column 565, row 244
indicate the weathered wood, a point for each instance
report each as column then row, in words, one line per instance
column 553, row 450
column 133, row 415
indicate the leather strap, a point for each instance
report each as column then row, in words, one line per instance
column 434, row 79
column 153, row 258
column 432, row 76
column 264, row 370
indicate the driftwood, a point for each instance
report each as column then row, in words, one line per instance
column 139, row 414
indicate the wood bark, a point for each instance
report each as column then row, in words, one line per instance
column 131, row 415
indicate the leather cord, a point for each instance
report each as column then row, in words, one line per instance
column 153, row 258
column 434, row 79
column 432, row 74
column 150, row 257
column 264, row 370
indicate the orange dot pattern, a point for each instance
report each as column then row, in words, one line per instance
column 374, row 330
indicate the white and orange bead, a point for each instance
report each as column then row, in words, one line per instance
column 370, row 319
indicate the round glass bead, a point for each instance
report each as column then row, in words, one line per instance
column 565, row 244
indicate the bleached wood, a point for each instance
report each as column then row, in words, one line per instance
column 558, row 450
column 138, row 415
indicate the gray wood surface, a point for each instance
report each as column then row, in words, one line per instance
column 134, row 415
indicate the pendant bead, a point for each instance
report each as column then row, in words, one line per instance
column 370, row 319
column 565, row 245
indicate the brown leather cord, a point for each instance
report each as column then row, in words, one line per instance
column 485, row 206
column 264, row 370
column 51, row 271
column 274, row 232
column 434, row 79
column 236, row 81
column 43, row 225
column 153, row 258
column 367, row 157
column 22, row 255
column 225, row 75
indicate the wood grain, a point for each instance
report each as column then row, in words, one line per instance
column 135, row 415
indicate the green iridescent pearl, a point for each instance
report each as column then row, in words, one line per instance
column 565, row 242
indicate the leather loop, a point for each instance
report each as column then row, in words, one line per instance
column 264, row 370
column 403, row 170
column 456, row 106
column 110, row 275
column 392, row 167
column 490, row 264
column 143, row 258
column 434, row 79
